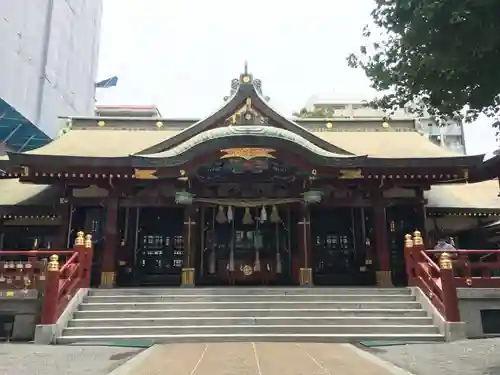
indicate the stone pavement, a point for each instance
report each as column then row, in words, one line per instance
column 468, row 357
column 30, row 359
column 255, row 359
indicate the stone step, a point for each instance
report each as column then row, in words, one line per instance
column 248, row 329
column 230, row 320
column 248, row 305
column 289, row 337
column 248, row 291
column 134, row 298
column 250, row 312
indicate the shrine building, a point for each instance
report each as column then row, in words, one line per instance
column 244, row 196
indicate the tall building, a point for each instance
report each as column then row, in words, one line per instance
column 48, row 67
column 449, row 136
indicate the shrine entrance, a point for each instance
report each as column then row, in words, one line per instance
column 342, row 239
column 159, row 247
column 246, row 246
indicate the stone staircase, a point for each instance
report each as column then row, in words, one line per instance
column 249, row 314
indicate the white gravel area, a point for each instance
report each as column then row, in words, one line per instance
column 30, row 359
column 468, row 357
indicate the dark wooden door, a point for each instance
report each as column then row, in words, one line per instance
column 160, row 247
column 334, row 249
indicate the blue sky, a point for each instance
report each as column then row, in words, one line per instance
column 182, row 55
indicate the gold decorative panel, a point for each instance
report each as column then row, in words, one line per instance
column 145, row 174
column 247, row 153
column 348, row 174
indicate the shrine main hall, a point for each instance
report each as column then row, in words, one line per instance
column 244, row 196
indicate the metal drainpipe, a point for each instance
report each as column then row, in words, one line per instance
column 45, row 56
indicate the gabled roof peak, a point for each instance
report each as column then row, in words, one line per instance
column 246, row 80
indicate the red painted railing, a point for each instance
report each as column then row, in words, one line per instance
column 58, row 284
column 438, row 273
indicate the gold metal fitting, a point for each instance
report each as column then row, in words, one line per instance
column 54, row 263
column 408, row 240
column 79, row 240
column 445, row 261
column 88, row 241
column 417, row 238
column 468, row 281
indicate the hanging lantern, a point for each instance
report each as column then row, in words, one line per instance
column 312, row 196
column 263, row 214
column 275, row 216
column 230, row 214
column 184, row 197
column 221, row 216
column 247, row 217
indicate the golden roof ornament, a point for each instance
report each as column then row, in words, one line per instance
column 246, row 77
column 159, row 124
column 329, row 125
column 101, row 123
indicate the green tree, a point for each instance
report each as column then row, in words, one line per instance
column 315, row 112
column 443, row 55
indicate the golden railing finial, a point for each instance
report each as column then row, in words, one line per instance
column 417, row 238
column 408, row 240
column 54, row 263
column 88, row 241
column 445, row 261
column 79, row 240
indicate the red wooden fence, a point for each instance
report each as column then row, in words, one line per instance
column 57, row 283
column 438, row 273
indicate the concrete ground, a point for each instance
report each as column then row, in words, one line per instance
column 472, row 357
column 468, row 357
column 29, row 359
column 255, row 359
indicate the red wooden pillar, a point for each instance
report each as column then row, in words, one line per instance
column 450, row 298
column 79, row 247
column 304, row 239
column 410, row 260
column 50, row 304
column 111, row 241
column 87, row 262
column 383, row 274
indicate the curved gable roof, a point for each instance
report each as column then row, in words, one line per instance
column 243, row 89
column 244, row 136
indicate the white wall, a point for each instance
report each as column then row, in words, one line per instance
column 48, row 58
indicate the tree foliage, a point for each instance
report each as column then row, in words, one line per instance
column 443, row 55
column 315, row 112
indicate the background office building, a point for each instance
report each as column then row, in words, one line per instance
column 449, row 136
column 48, row 67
